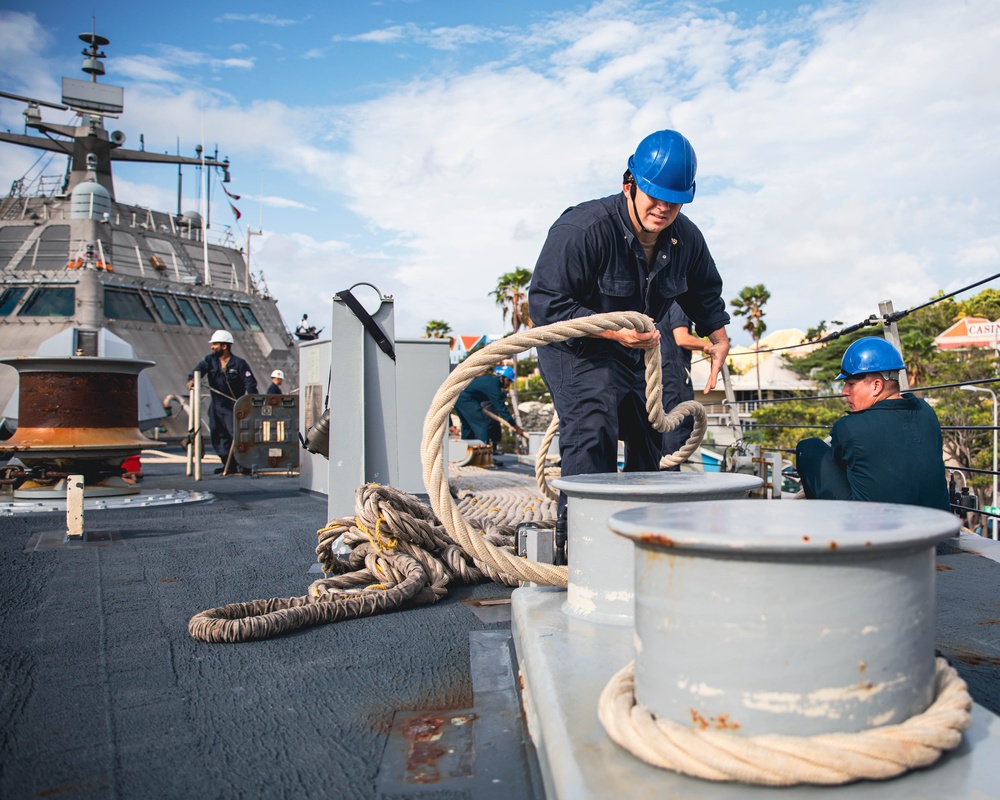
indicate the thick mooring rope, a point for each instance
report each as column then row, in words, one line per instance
column 399, row 555
column 775, row 760
column 399, row 550
column 436, row 422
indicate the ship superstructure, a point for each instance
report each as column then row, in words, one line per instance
column 75, row 257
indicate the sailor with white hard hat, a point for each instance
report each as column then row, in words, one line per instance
column 229, row 377
column 277, row 377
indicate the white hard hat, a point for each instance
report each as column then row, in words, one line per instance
column 221, row 336
column 278, row 374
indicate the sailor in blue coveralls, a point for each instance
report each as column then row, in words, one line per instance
column 888, row 449
column 475, row 423
column 229, row 377
column 632, row 251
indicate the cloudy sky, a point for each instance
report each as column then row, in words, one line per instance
column 847, row 151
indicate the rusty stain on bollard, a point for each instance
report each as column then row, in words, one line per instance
column 742, row 619
column 600, row 564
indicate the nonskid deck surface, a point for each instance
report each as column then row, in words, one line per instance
column 105, row 695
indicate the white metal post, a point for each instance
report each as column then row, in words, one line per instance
column 196, row 411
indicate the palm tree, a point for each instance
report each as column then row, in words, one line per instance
column 511, row 295
column 750, row 304
column 437, row 329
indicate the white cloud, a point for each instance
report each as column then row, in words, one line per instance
column 263, row 19
column 436, row 38
column 276, row 202
column 846, row 153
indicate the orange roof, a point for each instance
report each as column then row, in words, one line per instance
column 969, row 332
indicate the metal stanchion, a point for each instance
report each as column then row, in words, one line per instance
column 196, row 411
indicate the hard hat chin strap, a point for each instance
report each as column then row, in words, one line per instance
column 635, row 211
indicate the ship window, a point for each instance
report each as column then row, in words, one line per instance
column 187, row 312
column 10, row 298
column 164, row 310
column 211, row 314
column 231, row 318
column 119, row 304
column 250, row 319
column 50, row 301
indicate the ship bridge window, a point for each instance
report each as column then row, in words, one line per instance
column 50, row 301
column 250, row 319
column 188, row 312
column 230, row 314
column 121, row 304
column 164, row 310
column 11, row 297
column 214, row 321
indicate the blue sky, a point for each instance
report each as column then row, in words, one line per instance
column 847, row 150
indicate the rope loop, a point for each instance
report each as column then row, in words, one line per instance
column 778, row 760
column 436, row 422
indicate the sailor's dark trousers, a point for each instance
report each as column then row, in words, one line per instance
column 600, row 399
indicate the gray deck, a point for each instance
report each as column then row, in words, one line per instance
column 104, row 694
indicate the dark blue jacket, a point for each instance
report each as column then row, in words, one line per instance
column 592, row 263
column 891, row 453
column 485, row 387
column 236, row 381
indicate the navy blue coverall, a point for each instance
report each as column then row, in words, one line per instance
column 677, row 386
column 889, row 453
column 229, row 385
column 274, row 389
column 475, row 424
column 592, row 262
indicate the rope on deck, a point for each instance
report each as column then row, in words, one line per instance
column 403, row 552
column 436, row 422
column 776, row 760
column 399, row 555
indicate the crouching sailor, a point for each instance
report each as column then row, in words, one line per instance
column 887, row 449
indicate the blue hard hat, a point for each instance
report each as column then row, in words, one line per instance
column 504, row 371
column 869, row 354
column 663, row 166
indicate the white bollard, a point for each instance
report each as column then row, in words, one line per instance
column 74, row 506
column 784, row 618
column 600, row 564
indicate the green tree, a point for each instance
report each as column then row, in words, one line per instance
column 810, row 418
column 437, row 329
column 511, row 294
column 750, row 304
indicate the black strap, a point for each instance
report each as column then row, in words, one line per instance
column 370, row 324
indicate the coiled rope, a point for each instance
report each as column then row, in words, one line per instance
column 436, row 422
column 398, row 555
column 775, row 760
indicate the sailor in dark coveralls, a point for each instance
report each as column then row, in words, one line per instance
column 632, row 251
column 230, row 377
column 888, row 449
column 277, row 378
column 485, row 388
